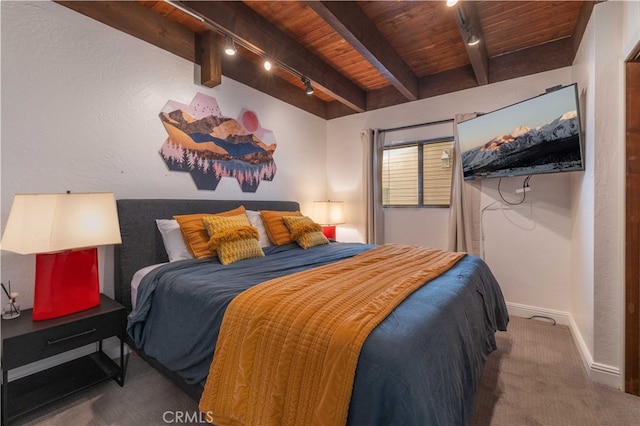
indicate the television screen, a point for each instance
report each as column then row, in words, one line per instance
column 538, row 135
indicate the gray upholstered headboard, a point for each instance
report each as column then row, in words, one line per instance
column 141, row 241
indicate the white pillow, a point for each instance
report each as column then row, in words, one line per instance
column 173, row 241
column 256, row 221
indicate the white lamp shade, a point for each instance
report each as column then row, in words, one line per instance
column 45, row 223
column 328, row 212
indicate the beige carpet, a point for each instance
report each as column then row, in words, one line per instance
column 534, row 378
column 147, row 398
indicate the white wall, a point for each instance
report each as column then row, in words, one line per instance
column 583, row 203
column 598, row 237
column 631, row 27
column 80, row 112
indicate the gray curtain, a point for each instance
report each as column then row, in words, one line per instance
column 464, row 212
column 372, row 167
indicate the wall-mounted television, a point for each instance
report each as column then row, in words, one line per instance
column 538, row 135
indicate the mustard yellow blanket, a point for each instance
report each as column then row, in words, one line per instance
column 288, row 348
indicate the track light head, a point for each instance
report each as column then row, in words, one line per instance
column 473, row 40
column 451, row 3
column 229, row 46
column 307, row 85
column 267, row 65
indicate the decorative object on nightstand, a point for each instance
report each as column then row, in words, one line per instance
column 62, row 230
column 11, row 309
column 328, row 214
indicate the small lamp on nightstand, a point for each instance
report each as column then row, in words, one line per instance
column 62, row 230
column 328, row 214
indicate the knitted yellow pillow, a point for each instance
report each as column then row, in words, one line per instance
column 194, row 233
column 232, row 238
column 277, row 231
column 305, row 231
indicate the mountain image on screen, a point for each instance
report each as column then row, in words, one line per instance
column 549, row 148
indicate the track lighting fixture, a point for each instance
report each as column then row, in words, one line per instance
column 185, row 10
column 229, row 46
column 307, row 85
column 473, row 40
column 467, row 28
column 451, row 3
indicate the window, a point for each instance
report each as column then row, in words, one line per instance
column 417, row 174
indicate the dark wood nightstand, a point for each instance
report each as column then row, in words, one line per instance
column 25, row 341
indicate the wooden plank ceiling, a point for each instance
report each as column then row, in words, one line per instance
column 357, row 55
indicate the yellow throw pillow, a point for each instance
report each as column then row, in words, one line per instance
column 232, row 238
column 277, row 231
column 195, row 234
column 305, row 231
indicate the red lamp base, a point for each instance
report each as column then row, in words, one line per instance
column 66, row 282
column 329, row 231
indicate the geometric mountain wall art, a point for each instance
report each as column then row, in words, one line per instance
column 210, row 146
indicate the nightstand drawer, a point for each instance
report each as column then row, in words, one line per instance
column 25, row 341
column 21, row 350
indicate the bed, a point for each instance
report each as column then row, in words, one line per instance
column 420, row 365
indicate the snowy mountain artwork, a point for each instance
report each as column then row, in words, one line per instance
column 210, row 146
column 540, row 135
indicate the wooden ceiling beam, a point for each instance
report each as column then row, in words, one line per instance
column 210, row 48
column 141, row 22
column 350, row 21
column 431, row 85
column 138, row 21
column 544, row 57
column 453, row 80
column 246, row 25
column 469, row 24
column 336, row 110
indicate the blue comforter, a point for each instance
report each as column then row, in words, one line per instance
column 420, row 366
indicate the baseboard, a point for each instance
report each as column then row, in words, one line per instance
column 526, row 311
column 598, row 372
column 110, row 346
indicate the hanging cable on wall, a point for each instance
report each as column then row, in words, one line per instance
column 525, row 188
column 492, row 206
column 485, row 208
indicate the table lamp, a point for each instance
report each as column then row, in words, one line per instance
column 328, row 214
column 62, row 230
